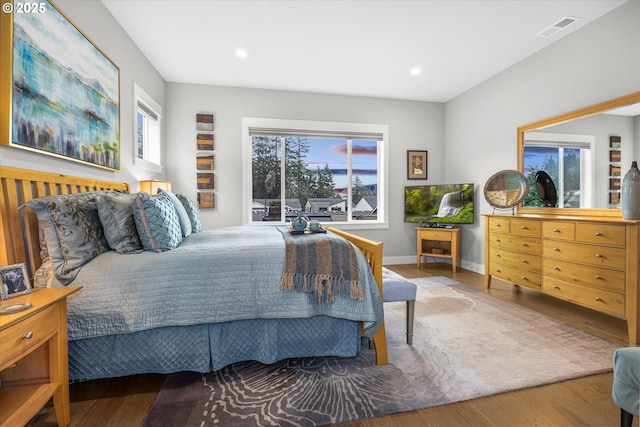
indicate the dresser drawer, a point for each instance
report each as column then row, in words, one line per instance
column 499, row 225
column 441, row 235
column 602, row 256
column 525, row 227
column 41, row 326
column 559, row 230
column 602, row 234
column 607, row 301
column 516, row 275
column 520, row 244
column 515, row 259
column 599, row 277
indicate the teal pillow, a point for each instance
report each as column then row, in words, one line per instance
column 71, row 231
column 185, row 222
column 157, row 222
column 116, row 215
column 192, row 212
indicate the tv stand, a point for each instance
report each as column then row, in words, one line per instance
column 441, row 243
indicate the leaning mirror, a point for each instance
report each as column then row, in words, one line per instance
column 585, row 153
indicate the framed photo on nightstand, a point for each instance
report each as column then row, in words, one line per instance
column 15, row 281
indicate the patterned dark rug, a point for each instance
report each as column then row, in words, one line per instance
column 466, row 345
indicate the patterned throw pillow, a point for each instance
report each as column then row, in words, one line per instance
column 185, row 222
column 116, row 215
column 44, row 275
column 72, row 231
column 192, row 211
column 157, row 222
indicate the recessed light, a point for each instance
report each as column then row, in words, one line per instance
column 415, row 71
column 241, row 53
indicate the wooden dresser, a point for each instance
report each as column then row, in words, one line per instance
column 34, row 357
column 591, row 261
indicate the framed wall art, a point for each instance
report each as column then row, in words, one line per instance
column 204, row 141
column 615, row 170
column 205, row 174
column 204, row 122
column 58, row 101
column 416, row 164
column 204, row 162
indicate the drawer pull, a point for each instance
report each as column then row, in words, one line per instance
column 598, row 256
column 524, row 261
column 498, row 270
column 497, row 225
column 498, row 255
column 523, row 278
column 556, row 287
column 524, row 244
column 597, row 277
column 555, row 230
column 556, row 268
column 497, row 240
column 598, row 234
column 27, row 335
column 524, row 227
column 598, row 299
column 556, row 250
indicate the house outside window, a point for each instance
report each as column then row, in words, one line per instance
column 322, row 169
column 148, row 131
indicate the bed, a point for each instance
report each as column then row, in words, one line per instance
column 196, row 318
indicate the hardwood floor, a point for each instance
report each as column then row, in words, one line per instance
column 124, row 402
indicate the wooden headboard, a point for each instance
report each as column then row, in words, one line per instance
column 19, row 227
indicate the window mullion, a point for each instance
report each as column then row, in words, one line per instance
column 283, row 169
column 349, row 182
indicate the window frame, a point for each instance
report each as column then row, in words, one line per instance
column 140, row 97
column 319, row 127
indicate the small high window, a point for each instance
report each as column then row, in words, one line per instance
column 148, row 131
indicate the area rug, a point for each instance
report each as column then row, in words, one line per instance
column 466, row 344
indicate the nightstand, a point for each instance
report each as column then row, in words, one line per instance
column 34, row 357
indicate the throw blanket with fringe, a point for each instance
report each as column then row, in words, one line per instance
column 322, row 265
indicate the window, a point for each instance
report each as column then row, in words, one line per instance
column 567, row 160
column 148, row 131
column 330, row 172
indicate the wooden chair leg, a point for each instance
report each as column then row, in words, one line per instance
column 626, row 418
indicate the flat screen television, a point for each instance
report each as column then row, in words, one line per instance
column 439, row 204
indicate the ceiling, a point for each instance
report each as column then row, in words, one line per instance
column 348, row 47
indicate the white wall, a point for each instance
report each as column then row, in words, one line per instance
column 412, row 126
column 100, row 27
column 596, row 63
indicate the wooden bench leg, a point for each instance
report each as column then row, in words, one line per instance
column 626, row 419
column 410, row 310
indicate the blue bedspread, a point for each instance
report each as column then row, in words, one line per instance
column 214, row 276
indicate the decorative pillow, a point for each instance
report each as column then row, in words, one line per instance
column 116, row 215
column 72, row 231
column 44, row 253
column 185, row 222
column 44, row 275
column 157, row 222
column 192, row 211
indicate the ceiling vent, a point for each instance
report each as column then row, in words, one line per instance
column 557, row 27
